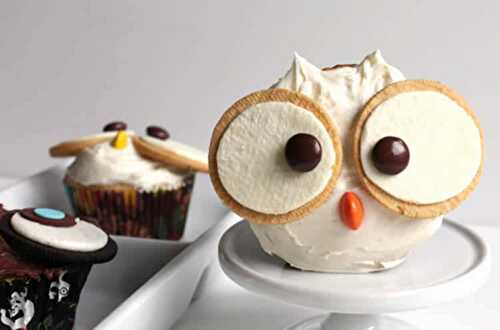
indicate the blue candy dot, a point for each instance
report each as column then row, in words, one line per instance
column 51, row 214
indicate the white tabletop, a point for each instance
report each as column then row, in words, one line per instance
column 225, row 305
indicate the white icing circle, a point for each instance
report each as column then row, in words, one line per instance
column 251, row 160
column 82, row 237
column 444, row 143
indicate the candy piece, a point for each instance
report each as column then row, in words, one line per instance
column 51, row 214
column 351, row 210
column 303, row 152
column 391, row 155
column 115, row 126
column 157, row 132
column 48, row 217
column 121, row 140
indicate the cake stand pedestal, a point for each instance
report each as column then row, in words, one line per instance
column 453, row 264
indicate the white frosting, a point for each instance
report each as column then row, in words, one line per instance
column 341, row 91
column 104, row 164
column 82, row 237
column 321, row 241
column 181, row 149
column 251, row 159
column 444, row 144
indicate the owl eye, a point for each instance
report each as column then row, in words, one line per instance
column 274, row 156
column 390, row 155
column 303, row 152
column 418, row 148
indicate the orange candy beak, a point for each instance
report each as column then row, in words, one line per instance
column 351, row 210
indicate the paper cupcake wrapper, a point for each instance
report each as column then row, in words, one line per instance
column 43, row 302
column 130, row 212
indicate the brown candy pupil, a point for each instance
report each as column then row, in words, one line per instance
column 157, row 132
column 115, row 126
column 303, row 152
column 391, row 155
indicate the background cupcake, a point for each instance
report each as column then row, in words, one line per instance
column 134, row 186
column 43, row 269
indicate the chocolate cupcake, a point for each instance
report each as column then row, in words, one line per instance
column 45, row 258
column 133, row 186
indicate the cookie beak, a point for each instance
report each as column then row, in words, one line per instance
column 120, row 141
column 351, row 210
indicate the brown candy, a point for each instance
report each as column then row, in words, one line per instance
column 157, row 132
column 115, row 126
column 391, row 155
column 303, row 152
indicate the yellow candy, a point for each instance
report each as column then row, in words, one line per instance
column 120, row 141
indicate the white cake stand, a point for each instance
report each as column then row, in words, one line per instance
column 453, row 264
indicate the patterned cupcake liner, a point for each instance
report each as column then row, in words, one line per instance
column 124, row 210
column 43, row 302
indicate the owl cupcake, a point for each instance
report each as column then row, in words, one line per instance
column 346, row 169
column 133, row 185
column 45, row 258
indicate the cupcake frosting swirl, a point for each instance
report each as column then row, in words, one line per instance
column 104, row 164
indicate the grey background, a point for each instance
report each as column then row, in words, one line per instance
column 69, row 67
